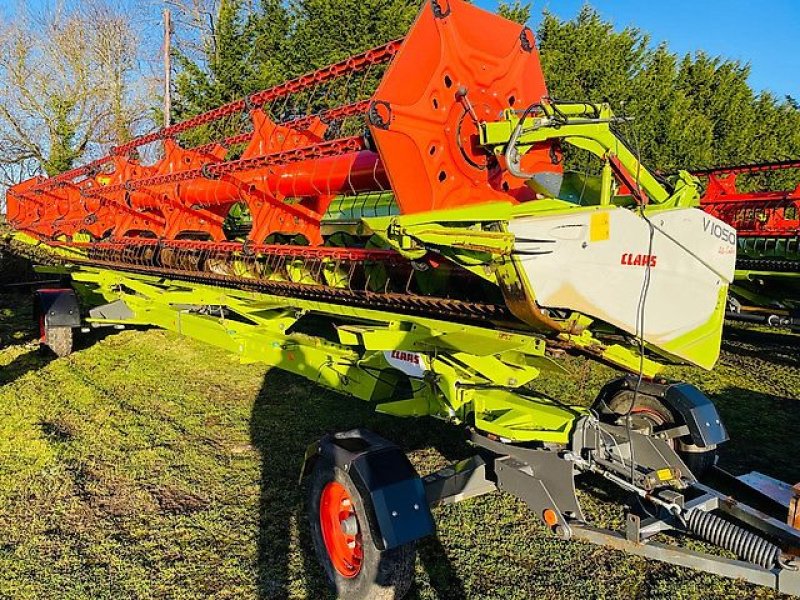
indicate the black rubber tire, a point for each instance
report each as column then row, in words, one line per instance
column 384, row 575
column 698, row 461
column 59, row 340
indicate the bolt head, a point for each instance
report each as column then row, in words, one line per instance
column 349, row 526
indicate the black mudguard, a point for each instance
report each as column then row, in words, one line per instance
column 688, row 404
column 398, row 510
column 58, row 307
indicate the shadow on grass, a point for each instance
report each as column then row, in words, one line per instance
column 16, row 320
column 763, row 432
column 291, row 412
column 778, row 348
column 32, row 360
column 37, row 356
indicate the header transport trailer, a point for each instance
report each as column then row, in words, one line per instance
column 413, row 199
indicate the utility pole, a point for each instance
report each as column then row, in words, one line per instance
column 167, row 68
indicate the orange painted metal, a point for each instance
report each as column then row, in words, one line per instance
column 794, row 507
column 345, row 548
column 754, row 214
column 458, row 62
column 417, row 138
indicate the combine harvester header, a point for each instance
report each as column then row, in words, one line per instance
column 431, row 144
column 304, row 141
column 414, row 197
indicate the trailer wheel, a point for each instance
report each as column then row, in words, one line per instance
column 57, row 339
column 649, row 415
column 354, row 566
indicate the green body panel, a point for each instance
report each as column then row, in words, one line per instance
column 772, row 280
column 768, row 289
column 362, row 206
column 474, row 374
column 586, row 126
column 704, row 341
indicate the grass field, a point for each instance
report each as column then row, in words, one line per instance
column 146, row 465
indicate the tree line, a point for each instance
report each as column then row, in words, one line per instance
column 68, row 90
column 691, row 111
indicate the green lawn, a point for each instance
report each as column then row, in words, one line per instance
column 151, row 466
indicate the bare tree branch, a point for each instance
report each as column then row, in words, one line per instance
column 69, row 83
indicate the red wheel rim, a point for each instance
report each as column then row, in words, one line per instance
column 658, row 418
column 340, row 530
column 655, row 417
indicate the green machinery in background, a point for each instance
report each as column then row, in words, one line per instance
column 767, row 283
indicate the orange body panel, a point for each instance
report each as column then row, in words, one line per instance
column 422, row 123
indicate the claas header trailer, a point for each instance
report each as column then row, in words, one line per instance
column 399, row 227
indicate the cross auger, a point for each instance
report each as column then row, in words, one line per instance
column 413, row 200
column 766, row 287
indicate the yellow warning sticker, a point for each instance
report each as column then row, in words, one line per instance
column 664, row 474
column 600, row 227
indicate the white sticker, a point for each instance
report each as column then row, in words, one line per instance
column 411, row 363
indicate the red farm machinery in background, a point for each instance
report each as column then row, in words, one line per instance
column 767, row 284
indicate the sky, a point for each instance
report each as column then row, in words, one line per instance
column 765, row 35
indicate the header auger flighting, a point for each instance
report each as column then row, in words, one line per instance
column 414, row 197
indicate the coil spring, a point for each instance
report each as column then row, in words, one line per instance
column 747, row 546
